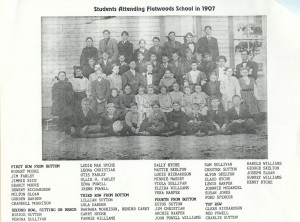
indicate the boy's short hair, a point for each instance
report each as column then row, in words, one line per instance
column 153, row 53
column 164, row 56
column 177, row 53
column 151, row 86
column 140, row 53
column 133, row 104
column 85, row 100
column 213, row 73
column 112, row 89
column 189, row 34
column 125, row 32
column 89, row 38
column 188, row 50
column 172, row 32
column 142, row 40
column 106, row 31
column 199, row 53
column 91, row 58
column 105, row 53
column 114, row 65
column 155, row 103
column 222, row 57
column 148, row 64
column 193, row 62
column 168, row 70
column 141, row 87
column 110, row 105
column 229, row 68
column 121, row 55
column 176, row 103
column 207, row 26
column 207, row 53
column 77, row 67
column 157, row 38
column 236, row 96
column 61, row 72
column 99, row 69
column 127, row 86
column 214, row 98
column 175, row 83
column 245, row 68
column 198, row 86
column 188, row 87
column 245, row 50
column 163, row 87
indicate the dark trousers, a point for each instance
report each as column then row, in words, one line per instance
column 245, row 127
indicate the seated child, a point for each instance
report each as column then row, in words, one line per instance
column 177, row 121
column 115, row 98
column 142, row 102
column 176, row 95
column 168, row 80
column 127, row 98
column 199, row 96
column 239, row 118
column 195, row 77
column 115, row 80
column 198, row 120
column 155, row 124
column 187, row 100
column 109, row 118
column 123, row 66
column 165, row 100
column 217, row 117
column 133, row 120
column 212, row 88
column 84, row 121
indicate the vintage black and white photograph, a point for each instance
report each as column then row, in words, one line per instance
column 154, row 88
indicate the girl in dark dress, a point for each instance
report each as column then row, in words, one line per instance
column 88, row 52
column 62, row 97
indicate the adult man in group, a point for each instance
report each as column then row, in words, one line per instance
column 209, row 44
column 125, row 47
column 109, row 46
column 247, row 63
column 171, row 45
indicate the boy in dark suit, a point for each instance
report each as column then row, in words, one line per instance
column 247, row 63
column 131, row 78
column 209, row 44
column 105, row 64
column 123, row 66
column 125, row 47
column 108, row 45
column 171, row 45
column 239, row 118
column 209, row 64
column 189, row 44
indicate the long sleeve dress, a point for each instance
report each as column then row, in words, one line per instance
column 248, row 92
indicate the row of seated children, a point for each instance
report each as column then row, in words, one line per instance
column 85, row 123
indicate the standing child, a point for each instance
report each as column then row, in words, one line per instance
column 176, row 95
column 157, row 49
column 239, row 118
column 229, row 87
column 105, row 63
column 62, row 97
column 165, row 100
column 187, row 100
column 168, row 80
column 131, row 78
column 100, row 93
column 123, row 66
column 115, row 80
column 140, row 64
column 249, row 91
column 80, row 86
column 221, row 69
column 212, row 88
column 142, row 49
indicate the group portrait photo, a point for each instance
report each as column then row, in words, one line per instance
column 157, row 87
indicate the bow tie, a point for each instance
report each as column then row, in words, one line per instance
column 78, row 77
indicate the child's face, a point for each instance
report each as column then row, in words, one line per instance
column 78, row 72
column 229, row 72
column 244, row 55
column 221, row 63
column 85, row 105
column 163, row 90
column 189, row 53
column 61, row 76
column 149, row 68
column 172, row 37
column 97, row 66
column 111, row 110
column 150, row 90
column 175, row 57
column 236, row 101
column 153, row 58
column 194, row 66
column 140, row 57
column 89, row 43
column 199, row 57
column 124, row 37
column 115, row 69
column 155, row 108
column 121, row 59
column 213, row 78
column 168, row 74
column 244, row 73
column 195, row 107
column 127, row 90
column 106, row 35
column 215, row 103
column 189, row 38
column 176, row 87
column 208, row 58
column 114, row 93
column 198, row 89
column 187, row 91
column 99, row 74
column 141, row 91
column 142, row 44
column 155, row 42
column 132, row 65
column 165, row 59
column 105, row 56
column 134, row 109
column 176, row 107
column 207, row 31
column 91, row 62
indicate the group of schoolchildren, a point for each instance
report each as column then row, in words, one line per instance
column 154, row 92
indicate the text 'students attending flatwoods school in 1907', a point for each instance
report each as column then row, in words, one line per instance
column 155, row 9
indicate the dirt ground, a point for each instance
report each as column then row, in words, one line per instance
column 58, row 146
